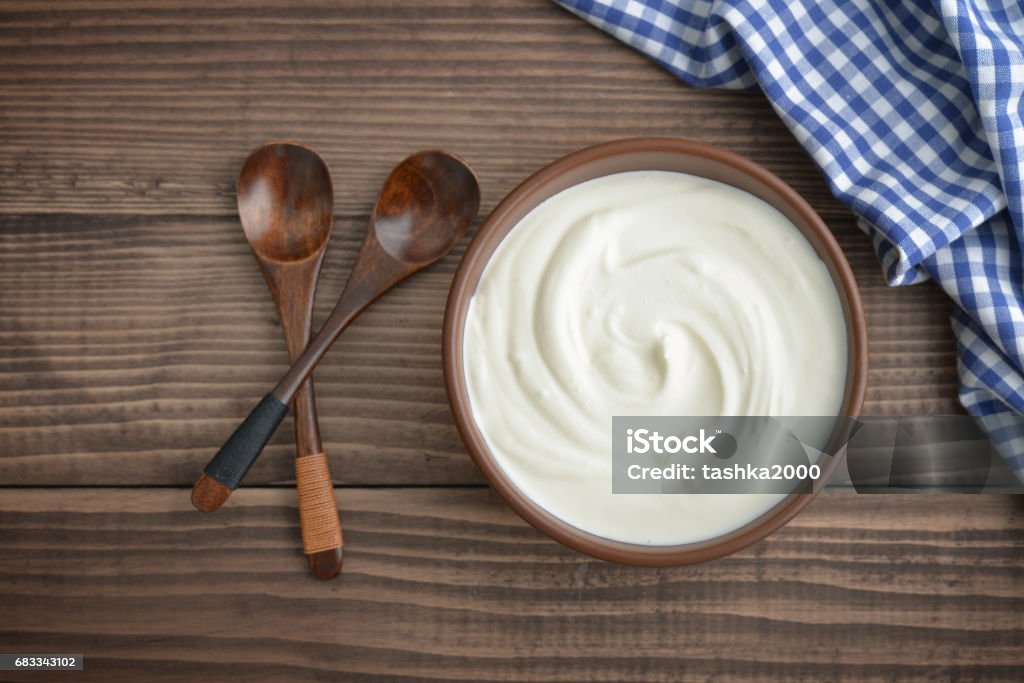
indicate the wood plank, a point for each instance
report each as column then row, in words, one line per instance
column 134, row 362
column 123, row 127
column 150, row 107
column 448, row 584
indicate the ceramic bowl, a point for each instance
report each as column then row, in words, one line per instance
column 644, row 154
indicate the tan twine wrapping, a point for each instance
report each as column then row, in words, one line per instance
column 321, row 528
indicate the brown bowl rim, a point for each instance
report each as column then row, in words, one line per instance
column 464, row 286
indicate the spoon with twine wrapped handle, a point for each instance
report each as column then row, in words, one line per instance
column 424, row 208
column 286, row 204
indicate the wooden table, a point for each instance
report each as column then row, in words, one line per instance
column 135, row 329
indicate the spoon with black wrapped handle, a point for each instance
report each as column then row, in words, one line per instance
column 424, row 208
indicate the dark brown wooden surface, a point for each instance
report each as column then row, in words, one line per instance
column 136, row 330
column 448, row 584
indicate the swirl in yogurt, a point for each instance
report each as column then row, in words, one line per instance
column 645, row 293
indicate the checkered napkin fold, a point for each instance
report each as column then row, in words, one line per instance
column 914, row 111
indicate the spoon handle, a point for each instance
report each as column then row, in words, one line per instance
column 318, row 512
column 226, row 470
column 373, row 274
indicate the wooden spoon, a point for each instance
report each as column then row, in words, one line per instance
column 286, row 203
column 424, row 208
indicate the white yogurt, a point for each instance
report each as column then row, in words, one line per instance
column 645, row 293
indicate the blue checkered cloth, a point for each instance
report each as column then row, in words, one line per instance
column 913, row 111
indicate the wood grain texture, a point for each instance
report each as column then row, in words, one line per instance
column 448, row 584
column 135, row 331
column 145, row 107
column 158, row 360
column 126, row 286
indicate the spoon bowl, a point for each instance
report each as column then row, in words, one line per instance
column 286, row 202
column 425, row 206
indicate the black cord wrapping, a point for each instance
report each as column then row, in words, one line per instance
column 242, row 448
